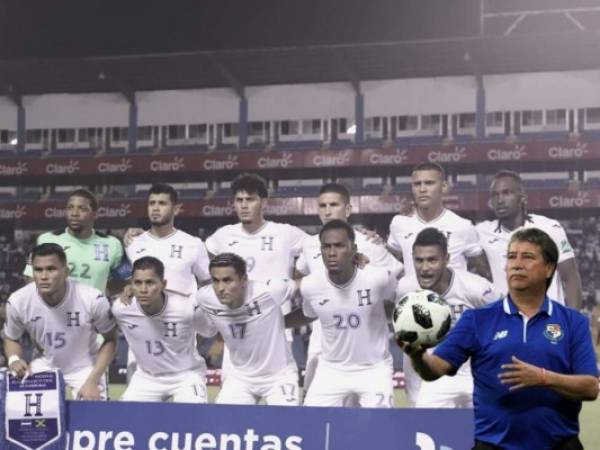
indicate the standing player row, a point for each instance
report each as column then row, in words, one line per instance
column 270, row 249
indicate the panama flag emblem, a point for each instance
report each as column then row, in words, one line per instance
column 553, row 332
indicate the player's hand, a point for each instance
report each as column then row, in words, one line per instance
column 89, row 391
column 19, row 368
column 371, row 235
column 130, row 234
column 127, row 294
column 408, row 348
column 520, row 374
column 361, row 260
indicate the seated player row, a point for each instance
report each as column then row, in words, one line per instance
column 160, row 326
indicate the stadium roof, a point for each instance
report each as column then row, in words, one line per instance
column 307, row 64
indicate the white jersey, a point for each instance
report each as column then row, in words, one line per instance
column 164, row 343
column 310, row 259
column 460, row 232
column 494, row 239
column 269, row 253
column 254, row 332
column 184, row 256
column 65, row 334
column 465, row 291
column 352, row 316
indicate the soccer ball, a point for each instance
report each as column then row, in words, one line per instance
column 422, row 317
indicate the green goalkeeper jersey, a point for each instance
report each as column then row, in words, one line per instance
column 90, row 260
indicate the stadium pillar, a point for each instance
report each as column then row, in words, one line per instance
column 132, row 130
column 21, row 128
column 480, row 108
column 243, row 122
column 359, row 114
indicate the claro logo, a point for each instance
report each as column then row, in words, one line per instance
column 110, row 167
column 16, row 212
column 266, row 162
column 174, row 165
column 62, row 169
column 18, row 169
column 457, row 155
column 398, row 157
column 217, row 211
column 558, row 152
column 54, row 213
column 339, row 159
column 222, row 164
column 123, row 210
column 566, row 201
column 516, row 154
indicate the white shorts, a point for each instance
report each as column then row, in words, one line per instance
column 281, row 389
column 73, row 380
column 446, row 392
column 183, row 387
column 332, row 385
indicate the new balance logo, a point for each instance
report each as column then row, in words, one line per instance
column 500, row 335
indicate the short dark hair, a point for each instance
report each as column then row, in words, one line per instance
column 541, row 239
column 508, row 174
column 337, row 224
column 163, row 188
column 430, row 237
column 336, row 188
column 84, row 193
column 250, row 183
column 48, row 249
column 229, row 260
column 430, row 166
column 150, row 262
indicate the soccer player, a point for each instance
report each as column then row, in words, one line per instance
column 509, row 202
column 269, row 248
column 92, row 257
column 184, row 256
column 349, row 303
column 248, row 315
column 462, row 290
column 533, row 360
column 160, row 327
column 428, row 186
column 334, row 203
column 62, row 317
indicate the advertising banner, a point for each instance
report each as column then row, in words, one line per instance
column 168, row 426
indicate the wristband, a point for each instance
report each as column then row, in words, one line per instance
column 12, row 359
column 544, row 378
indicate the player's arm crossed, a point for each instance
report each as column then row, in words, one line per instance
column 480, row 265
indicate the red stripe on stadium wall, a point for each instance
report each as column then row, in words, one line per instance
column 501, row 153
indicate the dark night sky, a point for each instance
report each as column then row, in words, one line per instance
column 61, row 28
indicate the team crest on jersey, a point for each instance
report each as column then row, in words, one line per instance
column 553, row 332
column 101, row 252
